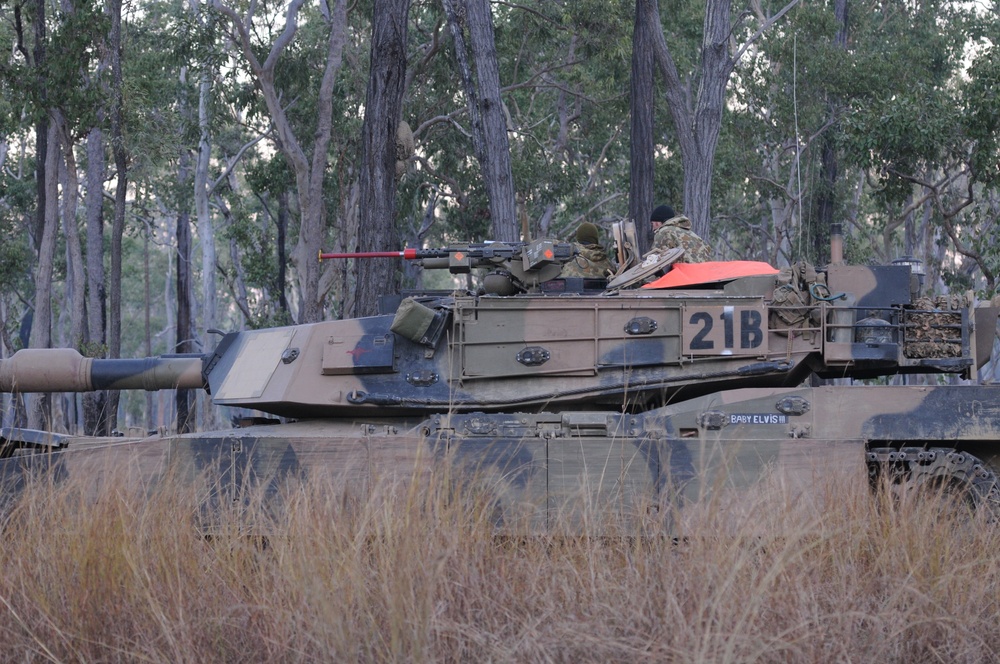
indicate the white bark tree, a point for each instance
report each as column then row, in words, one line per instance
column 308, row 162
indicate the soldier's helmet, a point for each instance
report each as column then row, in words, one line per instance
column 587, row 233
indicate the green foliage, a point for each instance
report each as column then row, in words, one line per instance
column 889, row 104
column 981, row 121
column 72, row 80
column 17, row 204
column 900, row 135
column 564, row 69
column 68, row 78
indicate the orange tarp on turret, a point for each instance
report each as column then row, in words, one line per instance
column 691, row 274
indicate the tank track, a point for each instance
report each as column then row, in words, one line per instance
column 936, row 467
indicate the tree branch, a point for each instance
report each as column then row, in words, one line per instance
column 232, row 161
column 764, row 27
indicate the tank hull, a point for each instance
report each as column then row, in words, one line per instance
column 549, row 470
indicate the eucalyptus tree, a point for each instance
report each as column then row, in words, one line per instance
column 642, row 97
column 162, row 133
column 481, row 86
column 307, row 160
column 377, row 184
column 563, row 71
column 17, row 193
column 915, row 127
column 55, row 88
column 695, row 90
column 773, row 164
column 568, row 101
column 26, row 74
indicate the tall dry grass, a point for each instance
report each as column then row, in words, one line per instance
column 125, row 573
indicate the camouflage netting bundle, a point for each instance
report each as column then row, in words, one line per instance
column 934, row 327
column 405, row 147
column 793, row 305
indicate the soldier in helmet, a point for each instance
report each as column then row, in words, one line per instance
column 672, row 230
column 592, row 260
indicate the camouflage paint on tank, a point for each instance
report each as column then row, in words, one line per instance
column 535, row 351
column 545, row 469
column 556, row 405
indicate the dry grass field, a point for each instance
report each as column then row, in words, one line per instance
column 120, row 573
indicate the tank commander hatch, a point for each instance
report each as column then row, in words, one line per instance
column 673, row 230
column 592, row 260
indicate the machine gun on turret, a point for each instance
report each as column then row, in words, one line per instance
column 514, row 266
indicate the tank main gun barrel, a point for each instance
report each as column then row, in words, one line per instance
column 65, row 370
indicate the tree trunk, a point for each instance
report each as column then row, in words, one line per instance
column 121, row 186
column 74, row 248
column 383, row 105
column 343, row 277
column 698, row 121
column 76, row 285
column 825, row 198
column 185, row 324
column 42, row 125
column 498, row 172
column 96, row 420
column 489, row 122
column 206, row 235
column 642, row 95
column 698, row 118
column 40, row 412
column 281, row 278
column 147, row 332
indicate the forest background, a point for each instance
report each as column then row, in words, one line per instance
column 171, row 168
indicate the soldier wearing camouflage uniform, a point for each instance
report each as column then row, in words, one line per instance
column 592, row 261
column 673, row 230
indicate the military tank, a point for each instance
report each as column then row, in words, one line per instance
column 628, row 394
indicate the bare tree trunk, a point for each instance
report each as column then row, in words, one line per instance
column 489, row 121
column 76, row 285
column 343, row 279
column 642, row 96
column 237, row 282
column 499, row 174
column 383, row 105
column 202, row 188
column 282, row 280
column 184, row 341
column 697, row 105
column 146, row 325
column 699, row 121
column 40, row 413
column 206, row 235
column 39, row 406
column 826, row 192
column 42, row 125
column 96, row 420
column 74, row 248
column 121, row 186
